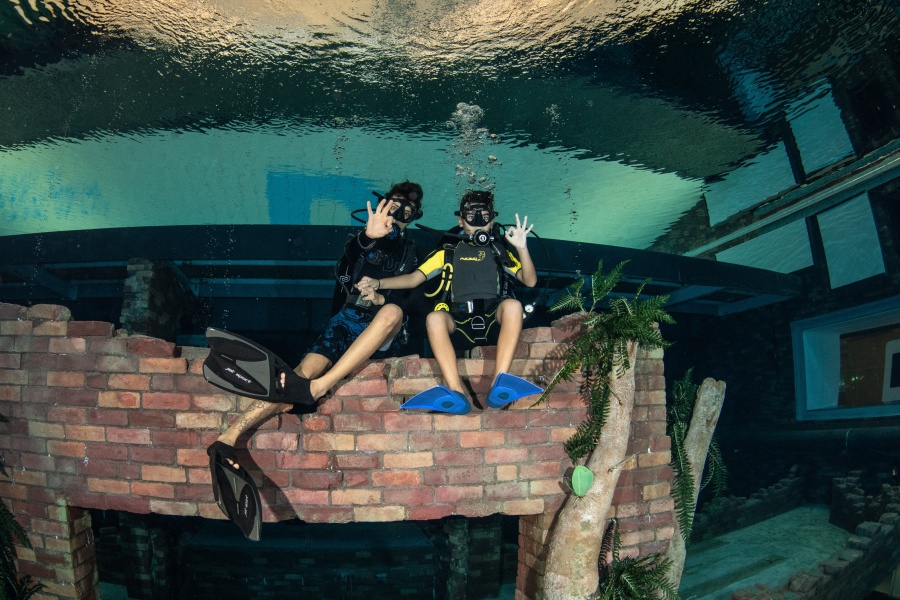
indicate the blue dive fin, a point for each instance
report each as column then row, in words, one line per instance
column 441, row 399
column 509, row 388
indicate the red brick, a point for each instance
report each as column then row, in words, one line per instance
column 76, row 362
column 409, row 497
column 194, row 385
column 315, row 497
column 396, row 478
column 357, row 422
column 77, row 397
column 551, row 452
column 457, row 493
column 547, row 418
column 123, row 381
column 285, row 442
column 178, row 439
column 407, row 422
column 73, row 449
column 106, row 451
column 431, row 441
column 164, row 456
column 163, row 474
column 156, row 490
column 66, row 345
column 34, row 344
column 481, row 439
column 131, row 435
column 108, row 486
column 507, row 419
column 163, row 365
column 91, row 328
column 291, row 461
column 385, row 442
column 163, row 401
column 132, row 504
column 447, row 458
column 154, row 420
column 434, row 477
column 11, row 377
column 469, row 475
column 512, row 490
column 106, row 417
column 322, row 480
column 479, row 508
column 541, row 470
column 49, row 312
column 147, row 346
column 505, row 455
column 363, row 387
column 12, row 312
column 10, row 393
column 51, row 328
column 527, row 437
column 356, row 460
column 106, row 469
column 357, row 479
column 65, row 379
column 86, row 433
column 429, row 513
column 384, row 404
column 16, row 328
column 107, row 346
column 10, row 361
column 117, row 364
column 327, row 515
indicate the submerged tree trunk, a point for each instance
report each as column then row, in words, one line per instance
column 571, row 568
column 708, row 406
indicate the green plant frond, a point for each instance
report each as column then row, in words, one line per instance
column 716, row 472
column 683, row 491
column 602, row 346
column 602, row 285
column 569, row 302
column 10, row 530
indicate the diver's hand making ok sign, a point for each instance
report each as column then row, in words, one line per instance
column 517, row 235
column 380, row 222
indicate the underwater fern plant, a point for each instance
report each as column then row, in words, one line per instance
column 602, row 347
column 678, row 418
column 12, row 587
column 629, row 578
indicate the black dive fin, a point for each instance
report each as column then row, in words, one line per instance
column 235, row 491
column 243, row 367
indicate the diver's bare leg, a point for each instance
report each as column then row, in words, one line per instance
column 440, row 325
column 260, row 411
column 384, row 326
column 509, row 315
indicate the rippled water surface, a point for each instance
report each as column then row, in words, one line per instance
column 603, row 121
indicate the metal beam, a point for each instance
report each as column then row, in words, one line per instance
column 861, row 176
column 40, row 277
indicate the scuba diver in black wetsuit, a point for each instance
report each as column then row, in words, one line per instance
column 474, row 303
column 362, row 328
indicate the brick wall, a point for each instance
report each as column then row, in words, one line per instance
column 104, row 420
column 731, row 513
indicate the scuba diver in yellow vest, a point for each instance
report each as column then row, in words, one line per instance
column 473, row 305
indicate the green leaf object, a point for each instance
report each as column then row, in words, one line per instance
column 582, row 480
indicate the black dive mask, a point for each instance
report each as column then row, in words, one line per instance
column 406, row 212
column 477, row 215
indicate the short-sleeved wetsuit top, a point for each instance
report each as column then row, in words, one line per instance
column 473, row 274
column 474, row 280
